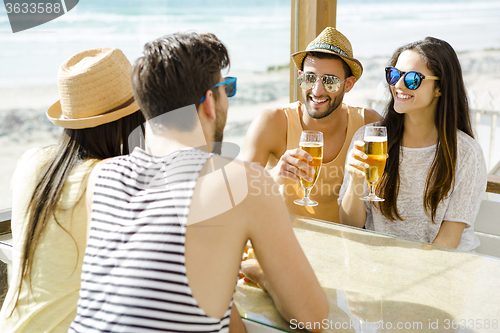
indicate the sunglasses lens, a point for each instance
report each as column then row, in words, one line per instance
column 412, row 80
column 331, row 83
column 392, row 75
column 307, row 81
column 231, row 89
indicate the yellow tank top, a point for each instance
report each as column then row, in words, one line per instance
column 327, row 187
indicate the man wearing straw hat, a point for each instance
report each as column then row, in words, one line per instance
column 326, row 71
column 177, row 213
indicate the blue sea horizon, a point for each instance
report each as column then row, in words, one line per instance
column 256, row 32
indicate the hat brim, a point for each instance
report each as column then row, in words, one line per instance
column 354, row 64
column 55, row 115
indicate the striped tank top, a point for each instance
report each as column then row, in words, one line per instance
column 134, row 277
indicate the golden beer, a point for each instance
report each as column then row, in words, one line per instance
column 376, row 149
column 314, row 149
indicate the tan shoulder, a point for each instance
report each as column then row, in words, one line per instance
column 275, row 118
column 273, row 124
column 372, row 116
column 266, row 135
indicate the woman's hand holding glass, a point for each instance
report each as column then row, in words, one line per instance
column 367, row 159
column 356, row 162
column 376, row 150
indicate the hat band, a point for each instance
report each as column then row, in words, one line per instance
column 122, row 106
column 325, row 46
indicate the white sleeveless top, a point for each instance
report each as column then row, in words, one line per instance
column 134, row 277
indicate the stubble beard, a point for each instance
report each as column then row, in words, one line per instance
column 220, row 123
column 332, row 106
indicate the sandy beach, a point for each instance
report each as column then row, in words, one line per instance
column 23, row 124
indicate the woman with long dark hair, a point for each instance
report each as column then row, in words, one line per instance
column 435, row 175
column 49, row 218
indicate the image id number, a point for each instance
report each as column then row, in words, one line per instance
column 471, row 324
column 32, row 8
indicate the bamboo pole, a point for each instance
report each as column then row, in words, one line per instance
column 309, row 18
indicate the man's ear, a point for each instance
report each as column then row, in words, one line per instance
column 349, row 83
column 208, row 105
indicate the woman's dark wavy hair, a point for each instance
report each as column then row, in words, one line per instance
column 101, row 142
column 452, row 114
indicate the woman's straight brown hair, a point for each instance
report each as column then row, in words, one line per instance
column 101, row 142
column 452, row 114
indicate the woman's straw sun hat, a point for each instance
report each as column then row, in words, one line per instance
column 95, row 88
column 331, row 41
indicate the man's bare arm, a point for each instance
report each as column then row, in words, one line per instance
column 287, row 274
column 266, row 135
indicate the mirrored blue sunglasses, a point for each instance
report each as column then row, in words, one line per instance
column 412, row 79
column 230, row 83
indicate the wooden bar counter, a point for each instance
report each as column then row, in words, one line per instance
column 380, row 283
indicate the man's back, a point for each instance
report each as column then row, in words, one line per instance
column 166, row 242
column 137, row 243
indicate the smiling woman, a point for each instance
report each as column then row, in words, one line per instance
column 435, row 176
column 411, row 92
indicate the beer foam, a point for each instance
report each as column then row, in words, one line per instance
column 311, row 144
column 375, row 139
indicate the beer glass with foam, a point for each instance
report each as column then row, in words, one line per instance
column 311, row 142
column 376, row 149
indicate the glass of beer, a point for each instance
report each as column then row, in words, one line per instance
column 311, row 142
column 376, row 148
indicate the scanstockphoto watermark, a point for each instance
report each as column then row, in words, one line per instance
column 357, row 325
column 322, row 187
column 400, row 326
column 27, row 14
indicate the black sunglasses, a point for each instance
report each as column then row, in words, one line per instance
column 412, row 79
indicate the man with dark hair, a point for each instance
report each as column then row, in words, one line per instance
column 174, row 83
column 169, row 224
column 326, row 71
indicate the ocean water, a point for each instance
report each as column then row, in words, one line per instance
column 378, row 27
column 257, row 32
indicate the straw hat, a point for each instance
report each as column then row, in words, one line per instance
column 331, row 41
column 95, row 89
